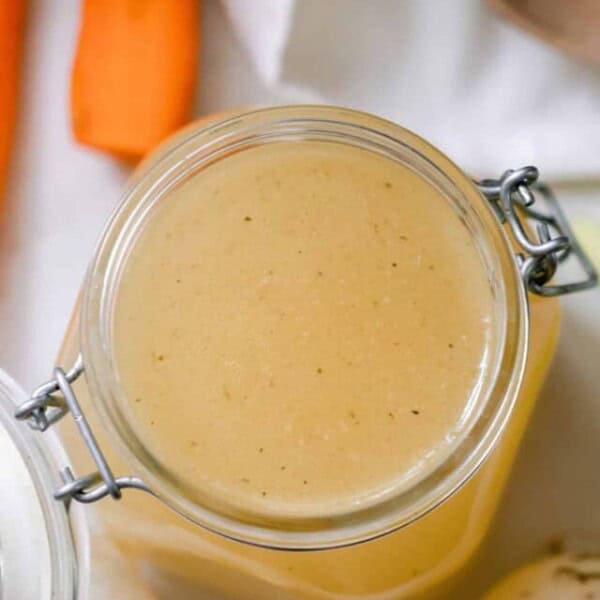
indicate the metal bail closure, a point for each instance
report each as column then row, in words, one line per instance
column 548, row 240
column 48, row 404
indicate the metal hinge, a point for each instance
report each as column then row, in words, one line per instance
column 47, row 405
column 512, row 197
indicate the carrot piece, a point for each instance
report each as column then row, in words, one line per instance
column 134, row 74
column 12, row 27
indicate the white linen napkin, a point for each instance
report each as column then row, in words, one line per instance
column 488, row 94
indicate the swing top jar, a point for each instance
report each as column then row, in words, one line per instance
column 305, row 328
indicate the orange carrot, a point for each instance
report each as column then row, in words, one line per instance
column 135, row 72
column 12, row 26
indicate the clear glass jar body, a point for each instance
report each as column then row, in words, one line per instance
column 421, row 560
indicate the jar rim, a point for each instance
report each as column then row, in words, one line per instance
column 201, row 146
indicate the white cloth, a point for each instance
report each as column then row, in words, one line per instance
column 488, row 94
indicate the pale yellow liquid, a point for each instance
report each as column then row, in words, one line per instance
column 202, row 369
column 282, row 329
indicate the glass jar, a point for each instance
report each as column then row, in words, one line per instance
column 411, row 541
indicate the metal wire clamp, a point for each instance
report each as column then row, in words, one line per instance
column 512, row 197
column 48, row 404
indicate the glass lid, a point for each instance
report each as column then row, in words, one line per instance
column 37, row 556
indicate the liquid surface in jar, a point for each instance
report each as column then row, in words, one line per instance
column 302, row 324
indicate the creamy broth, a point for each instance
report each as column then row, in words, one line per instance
column 302, row 325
